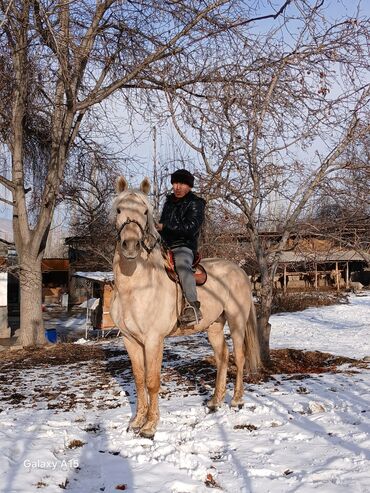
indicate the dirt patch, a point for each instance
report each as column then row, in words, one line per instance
column 53, row 355
column 64, row 377
column 296, row 363
column 287, row 361
column 300, row 364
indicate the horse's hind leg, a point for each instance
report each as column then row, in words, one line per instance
column 217, row 340
column 136, row 354
column 153, row 363
column 237, row 331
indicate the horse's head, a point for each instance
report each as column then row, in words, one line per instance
column 134, row 219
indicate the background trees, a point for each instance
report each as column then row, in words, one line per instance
column 87, row 193
column 276, row 124
column 60, row 60
column 269, row 107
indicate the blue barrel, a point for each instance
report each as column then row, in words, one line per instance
column 51, row 335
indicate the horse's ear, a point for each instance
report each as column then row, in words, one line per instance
column 121, row 184
column 145, row 186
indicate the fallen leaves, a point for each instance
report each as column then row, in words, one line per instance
column 210, row 482
column 76, row 444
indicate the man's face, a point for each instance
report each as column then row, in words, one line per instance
column 180, row 189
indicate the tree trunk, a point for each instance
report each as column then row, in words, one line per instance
column 263, row 320
column 30, row 281
column 264, row 332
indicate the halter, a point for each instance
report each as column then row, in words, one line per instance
column 145, row 234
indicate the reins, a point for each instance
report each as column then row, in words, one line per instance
column 145, row 234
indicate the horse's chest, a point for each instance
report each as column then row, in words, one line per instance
column 136, row 310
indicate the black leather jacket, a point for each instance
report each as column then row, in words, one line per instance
column 182, row 220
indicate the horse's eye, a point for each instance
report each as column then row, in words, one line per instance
column 118, row 211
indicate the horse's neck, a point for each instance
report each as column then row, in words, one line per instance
column 137, row 272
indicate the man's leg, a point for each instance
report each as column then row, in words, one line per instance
column 183, row 261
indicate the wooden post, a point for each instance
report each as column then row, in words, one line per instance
column 337, row 275
column 347, row 275
column 316, row 283
column 285, row 283
column 107, row 322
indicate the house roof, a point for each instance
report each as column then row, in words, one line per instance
column 321, row 256
column 96, row 276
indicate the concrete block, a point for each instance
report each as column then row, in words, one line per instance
column 5, row 333
column 4, row 322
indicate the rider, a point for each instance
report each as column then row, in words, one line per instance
column 179, row 226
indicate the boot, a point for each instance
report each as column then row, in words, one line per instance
column 191, row 314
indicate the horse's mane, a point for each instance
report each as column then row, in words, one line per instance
column 144, row 198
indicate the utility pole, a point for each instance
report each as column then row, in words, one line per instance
column 155, row 174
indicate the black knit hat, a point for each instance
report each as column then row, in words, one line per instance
column 183, row 176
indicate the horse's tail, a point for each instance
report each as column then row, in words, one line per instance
column 252, row 348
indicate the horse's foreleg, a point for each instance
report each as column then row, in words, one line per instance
column 217, row 340
column 136, row 354
column 153, row 363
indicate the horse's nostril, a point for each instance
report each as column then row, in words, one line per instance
column 123, row 243
column 138, row 244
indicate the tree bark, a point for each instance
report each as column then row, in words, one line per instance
column 30, row 281
column 263, row 321
column 264, row 332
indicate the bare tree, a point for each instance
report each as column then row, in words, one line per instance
column 88, row 200
column 59, row 59
column 270, row 135
column 341, row 206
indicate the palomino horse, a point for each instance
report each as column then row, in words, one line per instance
column 146, row 304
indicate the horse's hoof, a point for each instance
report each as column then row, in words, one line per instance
column 237, row 404
column 134, row 429
column 212, row 407
column 147, row 434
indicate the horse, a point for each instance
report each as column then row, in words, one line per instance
column 279, row 279
column 146, row 304
column 309, row 279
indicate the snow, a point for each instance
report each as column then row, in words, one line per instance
column 334, row 329
column 96, row 276
column 292, row 435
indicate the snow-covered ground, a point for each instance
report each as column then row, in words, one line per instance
column 293, row 435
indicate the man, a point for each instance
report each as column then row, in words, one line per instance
column 179, row 226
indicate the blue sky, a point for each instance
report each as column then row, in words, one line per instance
column 141, row 149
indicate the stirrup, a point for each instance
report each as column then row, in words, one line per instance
column 190, row 322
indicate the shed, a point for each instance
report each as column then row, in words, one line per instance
column 340, row 262
column 100, row 288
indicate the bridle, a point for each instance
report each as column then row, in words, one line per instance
column 146, row 234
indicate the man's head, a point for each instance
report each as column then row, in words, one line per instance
column 182, row 182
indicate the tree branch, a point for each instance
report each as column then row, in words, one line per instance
column 102, row 94
column 7, row 183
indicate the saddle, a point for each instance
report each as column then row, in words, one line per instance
column 200, row 273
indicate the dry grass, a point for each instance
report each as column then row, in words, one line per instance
column 295, row 302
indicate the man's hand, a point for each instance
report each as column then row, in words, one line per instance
column 159, row 226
